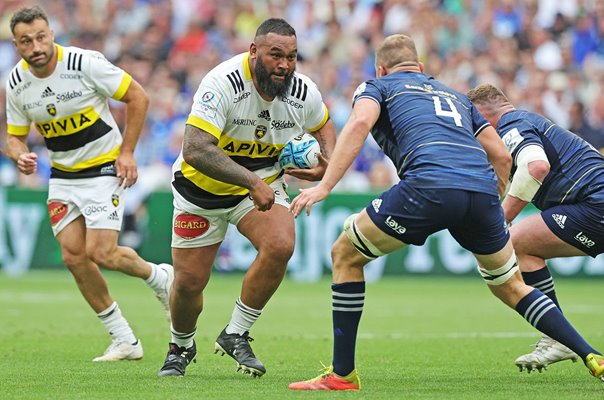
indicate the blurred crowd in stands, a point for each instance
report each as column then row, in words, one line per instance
column 547, row 55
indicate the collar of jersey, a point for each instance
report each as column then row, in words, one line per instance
column 246, row 66
column 59, row 56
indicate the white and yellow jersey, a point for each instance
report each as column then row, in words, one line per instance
column 249, row 129
column 69, row 108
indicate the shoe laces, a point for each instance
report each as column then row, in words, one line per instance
column 544, row 344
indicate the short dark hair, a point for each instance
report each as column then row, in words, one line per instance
column 27, row 15
column 275, row 25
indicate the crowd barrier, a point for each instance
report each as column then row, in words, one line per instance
column 26, row 242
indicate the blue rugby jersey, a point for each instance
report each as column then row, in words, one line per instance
column 429, row 131
column 577, row 169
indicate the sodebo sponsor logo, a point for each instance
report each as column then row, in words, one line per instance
column 91, row 210
column 395, row 226
column 66, row 96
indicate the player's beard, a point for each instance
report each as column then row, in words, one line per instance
column 268, row 86
column 44, row 60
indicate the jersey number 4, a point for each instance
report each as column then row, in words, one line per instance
column 452, row 113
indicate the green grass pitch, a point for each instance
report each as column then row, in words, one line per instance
column 420, row 338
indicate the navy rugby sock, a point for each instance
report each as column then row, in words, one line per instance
column 347, row 306
column 542, row 280
column 541, row 312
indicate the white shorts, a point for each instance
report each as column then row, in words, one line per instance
column 193, row 226
column 100, row 200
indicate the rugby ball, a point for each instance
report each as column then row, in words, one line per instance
column 301, row 151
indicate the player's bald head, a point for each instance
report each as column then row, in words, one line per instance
column 488, row 98
column 397, row 50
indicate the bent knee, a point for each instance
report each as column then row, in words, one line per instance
column 279, row 251
column 187, row 284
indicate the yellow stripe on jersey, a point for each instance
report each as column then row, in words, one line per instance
column 251, row 149
column 123, row 88
column 18, row 130
column 217, row 187
column 93, row 162
column 68, row 125
column 316, row 128
column 204, row 126
column 246, row 67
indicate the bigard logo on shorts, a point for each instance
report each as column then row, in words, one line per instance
column 189, row 226
column 56, row 211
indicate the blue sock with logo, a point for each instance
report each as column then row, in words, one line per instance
column 347, row 306
column 542, row 280
column 541, row 312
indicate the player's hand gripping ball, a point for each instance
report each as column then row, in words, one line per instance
column 302, row 151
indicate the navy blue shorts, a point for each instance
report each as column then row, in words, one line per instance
column 580, row 225
column 410, row 215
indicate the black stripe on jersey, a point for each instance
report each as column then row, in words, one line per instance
column 15, row 78
column 78, row 139
column 74, row 62
column 202, row 198
column 299, row 89
column 254, row 164
column 236, row 81
column 107, row 169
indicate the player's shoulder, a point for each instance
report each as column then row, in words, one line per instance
column 232, row 72
column 302, row 89
column 16, row 78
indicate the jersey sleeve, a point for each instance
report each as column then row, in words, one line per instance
column 367, row 90
column 18, row 123
column 315, row 110
column 518, row 135
column 210, row 108
column 108, row 79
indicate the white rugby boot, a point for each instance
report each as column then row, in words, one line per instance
column 118, row 351
column 547, row 351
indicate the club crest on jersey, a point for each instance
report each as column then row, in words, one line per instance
column 52, row 109
column 260, row 131
column 115, row 200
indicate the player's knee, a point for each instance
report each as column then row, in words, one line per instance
column 188, row 284
column 499, row 276
column 102, row 257
column 279, row 251
column 359, row 241
column 72, row 260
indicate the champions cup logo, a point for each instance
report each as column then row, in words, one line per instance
column 52, row 110
column 260, row 131
column 189, row 226
column 56, row 211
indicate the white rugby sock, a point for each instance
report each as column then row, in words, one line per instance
column 182, row 339
column 157, row 279
column 243, row 318
column 116, row 324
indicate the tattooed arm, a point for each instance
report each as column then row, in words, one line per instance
column 200, row 150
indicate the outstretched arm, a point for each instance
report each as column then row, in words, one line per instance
column 364, row 115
